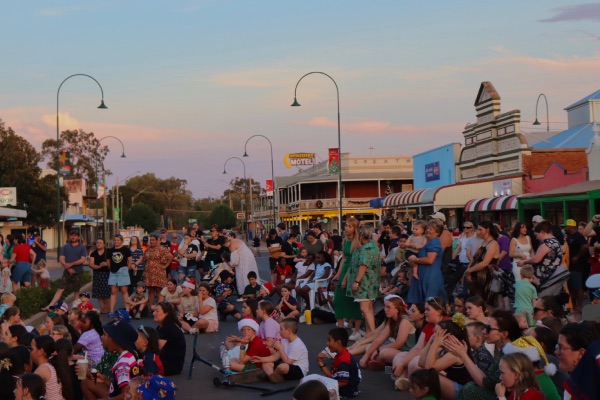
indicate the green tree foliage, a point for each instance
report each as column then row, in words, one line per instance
column 238, row 190
column 87, row 154
column 19, row 168
column 223, row 216
column 143, row 215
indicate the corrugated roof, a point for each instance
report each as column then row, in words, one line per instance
column 593, row 96
column 581, row 187
column 576, row 137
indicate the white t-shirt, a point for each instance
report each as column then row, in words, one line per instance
column 301, row 268
column 212, row 314
column 170, row 296
column 297, row 351
column 182, row 260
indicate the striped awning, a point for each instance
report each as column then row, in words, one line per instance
column 492, row 204
column 418, row 196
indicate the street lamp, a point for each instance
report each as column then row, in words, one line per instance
column 104, row 210
column 296, row 104
column 536, row 122
column 272, row 175
column 245, row 183
column 101, row 106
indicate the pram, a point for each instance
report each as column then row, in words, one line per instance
column 554, row 285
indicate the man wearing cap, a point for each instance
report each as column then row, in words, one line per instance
column 578, row 263
column 72, row 258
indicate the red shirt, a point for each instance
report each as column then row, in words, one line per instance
column 285, row 271
column 258, row 348
column 174, row 251
column 86, row 307
column 595, row 265
column 22, row 252
column 530, row 394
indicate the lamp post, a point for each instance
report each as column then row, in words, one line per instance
column 101, row 106
column 104, row 210
column 337, row 91
column 536, row 122
column 244, row 209
column 272, row 175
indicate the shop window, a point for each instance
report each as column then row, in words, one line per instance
column 578, row 210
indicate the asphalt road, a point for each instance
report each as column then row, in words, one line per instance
column 374, row 385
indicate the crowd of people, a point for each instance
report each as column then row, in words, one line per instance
column 453, row 315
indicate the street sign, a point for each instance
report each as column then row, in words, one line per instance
column 240, row 215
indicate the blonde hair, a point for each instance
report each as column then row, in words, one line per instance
column 421, row 223
column 61, row 330
column 521, row 365
column 353, row 222
column 526, row 271
column 6, row 297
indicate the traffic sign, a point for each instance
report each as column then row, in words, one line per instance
column 240, row 215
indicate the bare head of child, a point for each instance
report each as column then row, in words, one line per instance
column 425, row 383
column 476, row 334
column 402, row 240
column 75, row 315
column 84, row 298
column 526, row 272
column 418, row 228
column 8, row 298
column 252, row 278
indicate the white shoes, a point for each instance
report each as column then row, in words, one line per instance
column 355, row 336
column 193, row 331
column 302, row 319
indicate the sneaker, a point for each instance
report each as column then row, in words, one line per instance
column 138, row 315
column 355, row 336
column 275, row 378
column 302, row 319
column 402, row 384
column 193, row 331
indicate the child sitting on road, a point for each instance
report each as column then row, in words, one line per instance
column 188, row 304
column 223, row 296
column 251, row 346
column 252, row 290
column 282, row 273
column 84, row 302
column 290, row 362
column 148, row 349
column 137, row 301
column 288, row 305
column 344, row 369
column 266, row 290
column 479, row 353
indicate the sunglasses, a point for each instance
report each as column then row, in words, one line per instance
column 467, row 227
column 143, row 330
column 489, row 328
column 536, row 309
column 433, row 300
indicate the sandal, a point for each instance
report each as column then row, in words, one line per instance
column 376, row 365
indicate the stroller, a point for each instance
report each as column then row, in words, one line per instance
column 554, row 285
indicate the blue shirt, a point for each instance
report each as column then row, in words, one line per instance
column 74, row 253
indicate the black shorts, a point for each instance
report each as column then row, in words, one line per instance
column 72, row 281
column 272, row 263
column 294, row 373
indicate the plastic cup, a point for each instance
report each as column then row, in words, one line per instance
column 308, row 317
column 82, row 365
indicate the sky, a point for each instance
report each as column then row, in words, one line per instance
column 187, row 83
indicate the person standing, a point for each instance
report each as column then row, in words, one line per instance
column 164, row 242
column 337, row 240
column 485, row 260
column 578, row 263
column 136, row 273
column 39, row 247
column 73, row 256
column 100, row 288
column 282, row 232
column 520, row 247
column 242, row 261
column 313, row 244
column 343, row 305
column 24, row 258
column 156, row 259
column 214, row 247
column 118, row 259
column 274, row 245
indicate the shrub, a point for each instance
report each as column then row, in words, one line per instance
column 32, row 299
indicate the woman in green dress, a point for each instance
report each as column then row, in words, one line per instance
column 362, row 279
column 344, row 306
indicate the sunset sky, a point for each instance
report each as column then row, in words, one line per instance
column 187, row 82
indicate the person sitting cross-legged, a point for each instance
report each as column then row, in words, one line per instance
column 290, row 362
column 251, row 346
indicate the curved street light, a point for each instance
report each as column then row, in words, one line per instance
column 101, row 106
column 245, row 184
column 536, row 122
column 337, row 91
column 105, row 209
column 272, row 175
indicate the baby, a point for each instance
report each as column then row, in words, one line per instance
column 415, row 242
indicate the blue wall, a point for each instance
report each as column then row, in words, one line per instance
column 434, row 168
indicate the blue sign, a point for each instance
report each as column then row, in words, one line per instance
column 432, row 172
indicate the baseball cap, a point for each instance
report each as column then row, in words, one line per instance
column 570, row 222
column 122, row 333
column 593, row 282
column 36, row 234
column 158, row 387
column 141, row 283
column 60, row 305
column 537, row 219
column 438, row 215
column 74, row 232
column 122, row 314
column 85, row 294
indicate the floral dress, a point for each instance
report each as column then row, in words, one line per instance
column 368, row 255
column 154, row 260
column 551, row 260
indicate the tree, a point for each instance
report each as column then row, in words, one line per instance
column 142, row 215
column 238, row 192
column 223, row 216
column 19, row 168
column 87, row 154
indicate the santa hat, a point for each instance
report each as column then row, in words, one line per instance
column 268, row 287
column 529, row 346
column 249, row 323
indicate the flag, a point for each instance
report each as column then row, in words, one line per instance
column 269, row 187
column 334, row 161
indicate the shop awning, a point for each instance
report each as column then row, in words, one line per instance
column 419, row 196
column 492, row 204
column 12, row 213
